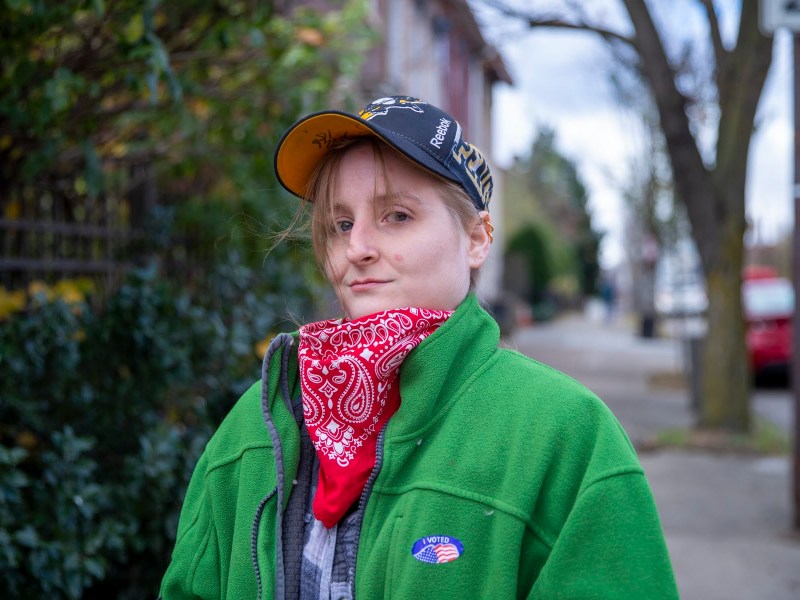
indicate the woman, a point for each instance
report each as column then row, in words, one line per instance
column 398, row 452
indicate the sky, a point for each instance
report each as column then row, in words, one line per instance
column 561, row 81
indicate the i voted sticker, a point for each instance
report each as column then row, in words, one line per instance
column 437, row 549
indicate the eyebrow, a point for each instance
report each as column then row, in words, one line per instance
column 383, row 199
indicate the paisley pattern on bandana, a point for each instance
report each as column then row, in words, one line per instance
column 348, row 373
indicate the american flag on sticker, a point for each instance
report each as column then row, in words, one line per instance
column 437, row 549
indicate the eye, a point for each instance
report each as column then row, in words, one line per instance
column 343, row 226
column 397, row 216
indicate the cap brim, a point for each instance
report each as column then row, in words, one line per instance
column 311, row 138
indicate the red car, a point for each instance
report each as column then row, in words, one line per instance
column 768, row 308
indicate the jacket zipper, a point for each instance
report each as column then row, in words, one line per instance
column 284, row 342
column 254, row 538
column 362, row 504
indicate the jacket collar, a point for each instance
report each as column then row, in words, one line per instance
column 432, row 376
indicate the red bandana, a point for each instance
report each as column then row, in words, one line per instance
column 347, row 375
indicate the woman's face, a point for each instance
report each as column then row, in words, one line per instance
column 398, row 247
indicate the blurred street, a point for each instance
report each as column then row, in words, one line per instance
column 727, row 516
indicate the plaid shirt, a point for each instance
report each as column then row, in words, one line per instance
column 326, row 572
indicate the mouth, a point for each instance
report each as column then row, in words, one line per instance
column 359, row 285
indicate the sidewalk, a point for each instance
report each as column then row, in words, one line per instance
column 727, row 517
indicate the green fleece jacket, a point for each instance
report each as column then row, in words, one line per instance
column 525, row 468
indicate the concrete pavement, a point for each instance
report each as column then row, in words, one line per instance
column 726, row 516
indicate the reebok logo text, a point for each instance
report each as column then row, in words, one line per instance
column 441, row 131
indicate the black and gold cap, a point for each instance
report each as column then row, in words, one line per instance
column 420, row 131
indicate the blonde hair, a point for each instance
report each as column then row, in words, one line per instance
column 323, row 180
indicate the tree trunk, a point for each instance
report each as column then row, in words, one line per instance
column 714, row 196
column 725, row 379
column 712, row 190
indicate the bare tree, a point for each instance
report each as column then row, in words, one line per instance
column 712, row 187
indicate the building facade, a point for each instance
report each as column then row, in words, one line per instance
column 434, row 50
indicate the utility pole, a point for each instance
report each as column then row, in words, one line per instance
column 775, row 14
column 795, row 369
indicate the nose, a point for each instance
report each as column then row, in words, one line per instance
column 362, row 244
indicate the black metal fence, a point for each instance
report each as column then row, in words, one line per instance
column 60, row 230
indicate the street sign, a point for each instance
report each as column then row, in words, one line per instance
column 775, row 14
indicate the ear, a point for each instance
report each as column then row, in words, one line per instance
column 479, row 240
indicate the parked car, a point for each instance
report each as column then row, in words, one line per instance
column 768, row 302
column 682, row 299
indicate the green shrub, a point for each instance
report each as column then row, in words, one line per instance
column 104, row 411
column 531, row 244
column 103, row 414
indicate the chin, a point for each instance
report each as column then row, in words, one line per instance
column 365, row 310
column 364, row 307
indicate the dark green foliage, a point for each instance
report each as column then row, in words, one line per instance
column 102, row 417
column 108, row 110
column 164, row 115
column 564, row 226
column 555, row 179
column 190, row 83
column 530, row 243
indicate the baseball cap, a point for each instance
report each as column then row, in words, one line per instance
column 420, row 131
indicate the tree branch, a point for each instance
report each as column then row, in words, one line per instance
column 720, row 53
column 606, row 34
column 690, row 173
column 557, row 22
column 741, row 83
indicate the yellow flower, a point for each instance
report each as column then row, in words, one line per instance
column 37, row 287
column 11, row 302
column 27, row 440
column 85, row 285
column 68, row 291
column 261, row 347
column 201, row 108
column 310, row 36
column 39, row 293
column 13, row 210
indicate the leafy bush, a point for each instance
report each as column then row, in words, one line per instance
column 531, row 244
column 103, row 414
column 104, row 410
